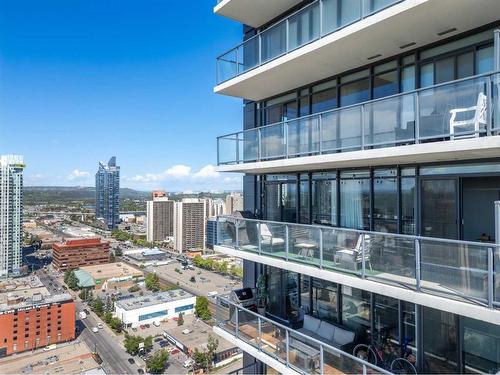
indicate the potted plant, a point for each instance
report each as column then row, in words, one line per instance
column 261, row 289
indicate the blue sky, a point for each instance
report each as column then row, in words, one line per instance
column 82, row 80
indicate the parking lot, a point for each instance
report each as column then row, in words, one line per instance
column 205, row 281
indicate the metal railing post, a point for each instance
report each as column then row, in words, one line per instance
column 287, row 347
column 497, row 222
column 489, row 107
column 417, row 117
column 321, row 359
column 237, row 149
column 320, row 135
column 287, row 35
column 320, row 239
column 259, row 238
column 496, row 41
column 259, row 144
column 285, row 139
column 490, row 277
column 259, row 322
column 287, row 242
column 363, row 263
column 237, row 61
column 362, row 126
column 236, row 322
column 237, row 227
column 260, row 49
column 417, row 264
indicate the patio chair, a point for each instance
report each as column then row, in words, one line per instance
column 267, row 237
column 480, row 118
column 353, row 257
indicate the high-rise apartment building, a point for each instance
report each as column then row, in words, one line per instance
column 371, row 153
column 189, row 226
column 11, row 213
column 160, row 219
column 158, row 194
column 107, row 186
column 234, row 203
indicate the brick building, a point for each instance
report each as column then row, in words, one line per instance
column 31, row 318
column 74, row 253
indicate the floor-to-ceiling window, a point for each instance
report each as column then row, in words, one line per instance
column 324, row 198
column 281, row 198
column 355, row 199
column 385, row 200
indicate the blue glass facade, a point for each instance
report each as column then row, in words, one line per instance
column 107, row 186
column 156, row 314
column 184, row 308
column 211, row 233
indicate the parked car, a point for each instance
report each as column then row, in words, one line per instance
column 147, row 325
column 134, row 329
column 142, row 326
column 100, row 326
column 95, row 329
column 86, row 311
column 163, row 344
column 158, row 339
column 140, row 371
column 131, row 361
column 50, row 347
column 175, row 351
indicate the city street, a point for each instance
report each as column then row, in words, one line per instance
column 114, row 356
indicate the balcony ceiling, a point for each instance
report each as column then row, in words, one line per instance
column 412, row 21
column 444, row 151
column 253, row 13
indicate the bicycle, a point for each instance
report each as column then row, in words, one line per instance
column 384, row 356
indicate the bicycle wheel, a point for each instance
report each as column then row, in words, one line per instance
column 365, row 353
column 403, row 366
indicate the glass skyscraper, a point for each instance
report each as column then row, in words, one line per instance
column 107, row 187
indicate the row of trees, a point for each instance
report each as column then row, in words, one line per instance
column 125, row 236
column 104, row 310
column 132, row 343
column 71, row 280
column 219, row 267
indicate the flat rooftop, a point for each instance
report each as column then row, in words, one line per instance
column 153, row 299
column 72, row 358
column 111, row 270
column 26, row 291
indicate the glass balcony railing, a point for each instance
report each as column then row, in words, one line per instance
column 462, row 108
column 291, row 348
column 318, row 19
column 448, row 268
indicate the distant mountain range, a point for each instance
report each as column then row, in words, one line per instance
column 61, row 194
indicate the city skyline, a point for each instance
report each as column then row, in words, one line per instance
column 88, row 68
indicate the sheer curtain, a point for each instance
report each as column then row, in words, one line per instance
column 351, row 204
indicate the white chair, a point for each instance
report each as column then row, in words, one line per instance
column 353, row 257
column 480, row 117
column 267, row 237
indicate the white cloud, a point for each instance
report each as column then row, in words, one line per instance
column 178, row 171
column 78, row 175
column 208, row 171
column 182, row 177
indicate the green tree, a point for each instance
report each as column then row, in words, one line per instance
column 152, row 282
column 134, row 288
column 204, row 359
column 72, row 281
column 157, row 362
column 201, row 308
column 131, row 344
column 180, row 319
column 116, row 325
column 97, row 306
column 148, row 342
column 107, row 317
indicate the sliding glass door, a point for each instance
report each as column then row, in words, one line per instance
column 439, row 208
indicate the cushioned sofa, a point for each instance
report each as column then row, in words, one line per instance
column 328, row 333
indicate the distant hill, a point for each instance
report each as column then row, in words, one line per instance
column 61, row 194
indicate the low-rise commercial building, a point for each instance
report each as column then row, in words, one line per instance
column 108, row 276
column 154, row 307
column 74, row 253
column 31, row 317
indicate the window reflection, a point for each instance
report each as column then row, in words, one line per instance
column 324, row 198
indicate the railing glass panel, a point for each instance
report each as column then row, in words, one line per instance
column 461, row 109
column 455, row 269
column 314, row 21
column 289, row 347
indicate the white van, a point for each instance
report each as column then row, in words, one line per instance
column 50, row 347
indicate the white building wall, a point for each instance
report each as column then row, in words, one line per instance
column 132, row 316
